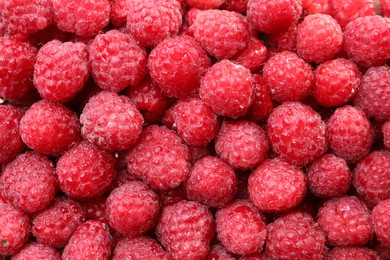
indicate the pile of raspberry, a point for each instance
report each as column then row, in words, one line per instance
column 194, row 129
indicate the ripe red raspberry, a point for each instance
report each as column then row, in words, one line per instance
column 15, row 229
column 85, row 171
column 159, row 158
column 336, row 82
column 263, row 105
column 366, row 40
column 319, row 38
column 349, row 133
column 227, row 89
column 96, row 209
column 91, row 240
column 119, row 11
column 82, row 17
column 151, row 22
column 141, row 247
column 296, row 133
column 316, row 6
column 295, row 236
column 283, row 41
column 346, row 221
column 37, row 251
column 348, row 10
column 276, row 186
column 221, row 33
column 346, row 253
column 273, row 16
column 219, row 252
column 372, row 175
column 380, row 219
column 238, row 6
column 205, row 4
column 185, row 229
column 253, row 56
column 111, row 121
column 385, row 7
column 49, row 128
column 123, row 176
column 289, row 77
column 386, row 134
column 329, row 176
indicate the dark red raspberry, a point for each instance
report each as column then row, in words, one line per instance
column 346, row 221
column 85, row 171
column 386, row 134
column 185, row 229
column 227, row 88
column 15, row 229
column 289, row 77
column 316, row 6
column 159, row 158
column 219, row 252
column 336, row 82
column 347, row 11
column 263, row 105
column 296, row 133
column 49, row 128
column 221, row 33
column 272, row 16
column 283, row 41
column 380, row 219
column 372, row 175
column 48, row 34
column 347, row 253
column 383, row 251
column 87, row 18
column 177, row 64
column 151, row 22
column 366, row 40
column 117, row 61
column 276, row 186
column 253, row 56
column 329, row 176
column 132, row 208
column 37, row 251
column 238, row 6
column 319, row 38
column 119, row 11
column 111, row 121
column 385, row 7
column 96, row 209
column 349, row 133
column 204, row 4
column 172, row 196
column 295, row 236
column 141, row 247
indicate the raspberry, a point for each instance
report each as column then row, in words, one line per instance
column 296, row 133
column 240, row 228
column 111, row 121
column 366, row 41
column 284, row 41
column 386, row 134
column 221, row 33
column 242, row 144
column 238, row 6
column 205, row 4
column 151, row 22
column 385, row 7
column 85, row 171
column 132, row 208
column 37, row 251
column 336, row 82
column 372, row 175
column 96, row 209
column 380, row 217
column 198, row 152
column 159, row 157
column 177, row 64
column 61, row 70
column 345, row 253
column 15, row 229
column 253, row 56
column 139, row 248
column 49, row 128
column 172, row 196
column 319, row 38
column 117, row 61
column 91, row 240
column 273, row 16
column 227, row 89
column 54, row 225
column 119, row 11
column 329, row 176
column 185, row 229
column 295, row 236
column 219, row 252
column 349, row 133
column 16, row 68
column 276, row 186
column 316, row 6
column 347, row 11
column 288, row 77
column 263, row 105
column 346, row 221
column 82, row 17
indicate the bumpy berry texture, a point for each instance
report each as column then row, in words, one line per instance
column 253, row 56
column 119, row 11
column 288, row 76
column 346, row 253
column 37, row 251
column 172, row 196
column 276, row 186
column 347, row 11
column 219, row 252
column 346, row 221
column 96, row 209
column 296, row 133
column 61, row 70
column 238, row 6
column 151, row 22
column 177, row 64
column 221, row 33
column 227, row 89
column 380, row 219
column 316, row 6
column 240, row 228
column 111, row 121
column 262, row 105
column 117, row 61
column 49, row 128
column 87, row 18
column 160, row 158
column 366, row 40
column 295, row 236
column 84, row 171
column 284, row 41
column 185, row 229
column 386, row 134
column 349, row 133
column 141, row 247
column 204, row 4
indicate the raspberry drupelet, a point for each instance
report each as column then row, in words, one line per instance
column 253, row 56
column 380, row 219
column 141, row 247
column 348, row 10
column 119, row 11
column 316, row 6
column 352, row 252
column 238, row 6
column 263, row 104
column 37, row 251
